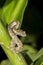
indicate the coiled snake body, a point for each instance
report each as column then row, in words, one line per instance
column 16, row 44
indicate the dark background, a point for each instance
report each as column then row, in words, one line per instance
column 33, row 14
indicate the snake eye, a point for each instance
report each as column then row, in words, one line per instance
column 16, row 45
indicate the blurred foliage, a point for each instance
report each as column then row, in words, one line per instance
column 12, row 10
column 5, row 62
column 39, row 61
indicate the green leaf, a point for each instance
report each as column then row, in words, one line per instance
column 39, row 61
column 38, row 55
column 13, row 10
column 5, row 62
column 33, row 53
column 35, row 56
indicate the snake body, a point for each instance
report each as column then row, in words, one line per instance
column 16, row 44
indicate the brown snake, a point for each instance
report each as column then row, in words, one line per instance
column 16, row 44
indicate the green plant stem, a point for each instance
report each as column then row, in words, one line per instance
column 17, row 14
column 16, row 59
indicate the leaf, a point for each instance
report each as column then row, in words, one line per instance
column 13, row 10
column 35, row 56
column 38, row 55
column 5, row 62
column 33, row 53
column 39, row 61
